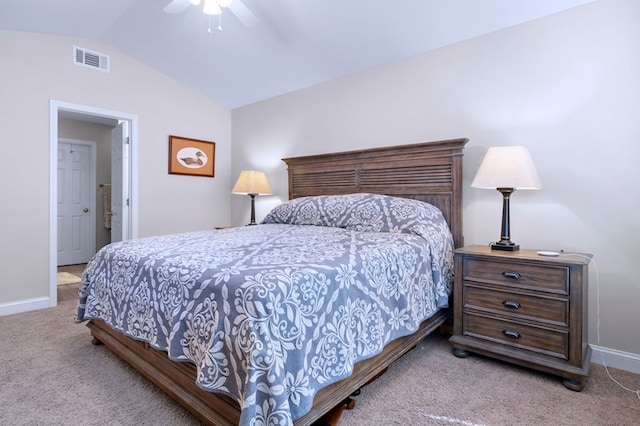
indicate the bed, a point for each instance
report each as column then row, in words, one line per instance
column 274, row 333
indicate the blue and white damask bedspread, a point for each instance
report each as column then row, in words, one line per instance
column 270, row 314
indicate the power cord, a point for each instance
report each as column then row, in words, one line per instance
column 595, row 268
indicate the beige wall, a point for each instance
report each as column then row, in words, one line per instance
column 37, row 68
column 565, row 86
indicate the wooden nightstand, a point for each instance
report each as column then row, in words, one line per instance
column 523, row 308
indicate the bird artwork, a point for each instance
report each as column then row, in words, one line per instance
column 191, row 157
column 198, row 161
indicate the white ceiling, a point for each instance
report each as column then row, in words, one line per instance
column 293, row 44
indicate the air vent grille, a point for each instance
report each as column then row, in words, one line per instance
column 90, row 59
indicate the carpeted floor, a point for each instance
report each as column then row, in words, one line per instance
column 433, row 387
column 51, row 374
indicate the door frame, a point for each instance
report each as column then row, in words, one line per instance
column 92, row 187
column 55, row 107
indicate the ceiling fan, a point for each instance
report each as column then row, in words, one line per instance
column 215, row 7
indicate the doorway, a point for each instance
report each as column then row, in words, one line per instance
column 126, row 169
column 76, row 217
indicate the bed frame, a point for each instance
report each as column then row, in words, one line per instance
column 430, row 172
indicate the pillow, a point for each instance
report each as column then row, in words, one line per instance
column 362, row 212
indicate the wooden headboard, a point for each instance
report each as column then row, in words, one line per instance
column 429, row 171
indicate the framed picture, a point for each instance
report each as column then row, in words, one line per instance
column 191, row 157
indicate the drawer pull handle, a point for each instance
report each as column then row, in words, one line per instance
column 514, row 275
column 511, row 333
column 511, row 304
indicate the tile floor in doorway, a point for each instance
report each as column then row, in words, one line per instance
column 70, row 291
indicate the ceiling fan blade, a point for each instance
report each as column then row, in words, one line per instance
column 176, row 6
column 243, row 13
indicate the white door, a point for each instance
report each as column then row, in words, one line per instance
column 74, row 204
column 119, row 188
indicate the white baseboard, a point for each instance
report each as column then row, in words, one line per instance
column 616, row 359
column 24, row 306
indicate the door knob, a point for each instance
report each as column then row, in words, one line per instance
column 85, row 210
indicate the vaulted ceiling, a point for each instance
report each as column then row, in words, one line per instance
column 270, row 47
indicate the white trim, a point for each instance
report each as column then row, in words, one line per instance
column 613, row 358
column 54, row 107
column 53, row 200
column 133, row 223
column 24, row 306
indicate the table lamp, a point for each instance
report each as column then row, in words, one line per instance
column 252, row 183
column 506, row 168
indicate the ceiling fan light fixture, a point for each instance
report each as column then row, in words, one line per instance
column 211, row 7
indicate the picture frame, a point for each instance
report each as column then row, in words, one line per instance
column 192, row 157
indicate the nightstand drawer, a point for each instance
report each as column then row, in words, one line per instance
column 523, row 275
column 543, row 340
column 518, row 305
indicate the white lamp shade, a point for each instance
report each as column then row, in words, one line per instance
column 252, row 182
column 507, row 167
